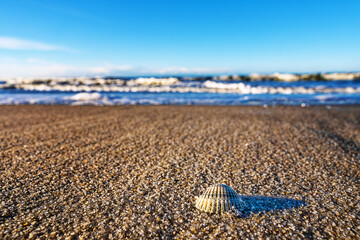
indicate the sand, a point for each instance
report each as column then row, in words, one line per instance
column 134, row 171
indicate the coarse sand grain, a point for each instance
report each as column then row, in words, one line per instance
column 133, row 172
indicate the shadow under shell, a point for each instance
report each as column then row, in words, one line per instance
column 259, row 204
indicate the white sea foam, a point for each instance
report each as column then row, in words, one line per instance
column 86, row 97
column 247, row 89
column 323, row 97
column 161, row 85
column 153, row 81
column 287, row 77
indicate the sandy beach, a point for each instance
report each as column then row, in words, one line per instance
column 132, row 172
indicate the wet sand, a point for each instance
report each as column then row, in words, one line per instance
column 134, row 171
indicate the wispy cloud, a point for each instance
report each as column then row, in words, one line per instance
column 134, row 71
column 187, row 70
column 23, row 44
column 33, row 67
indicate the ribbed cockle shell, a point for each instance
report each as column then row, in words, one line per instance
column 219, row 198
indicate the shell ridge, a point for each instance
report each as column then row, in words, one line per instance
column 219, row 198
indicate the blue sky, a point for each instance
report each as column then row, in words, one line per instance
column 68, row 38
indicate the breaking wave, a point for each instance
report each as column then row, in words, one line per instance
column 153, row 91
column 169, row 85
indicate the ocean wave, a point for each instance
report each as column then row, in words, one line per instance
column 248, row 89
column 86, row 97
column 153, row 81
column 174, row 85
column 139, row 98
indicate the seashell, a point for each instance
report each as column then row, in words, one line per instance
column 220, row 198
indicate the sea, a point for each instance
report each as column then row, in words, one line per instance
column 176, row 91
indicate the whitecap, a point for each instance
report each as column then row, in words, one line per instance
column 86, row 97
